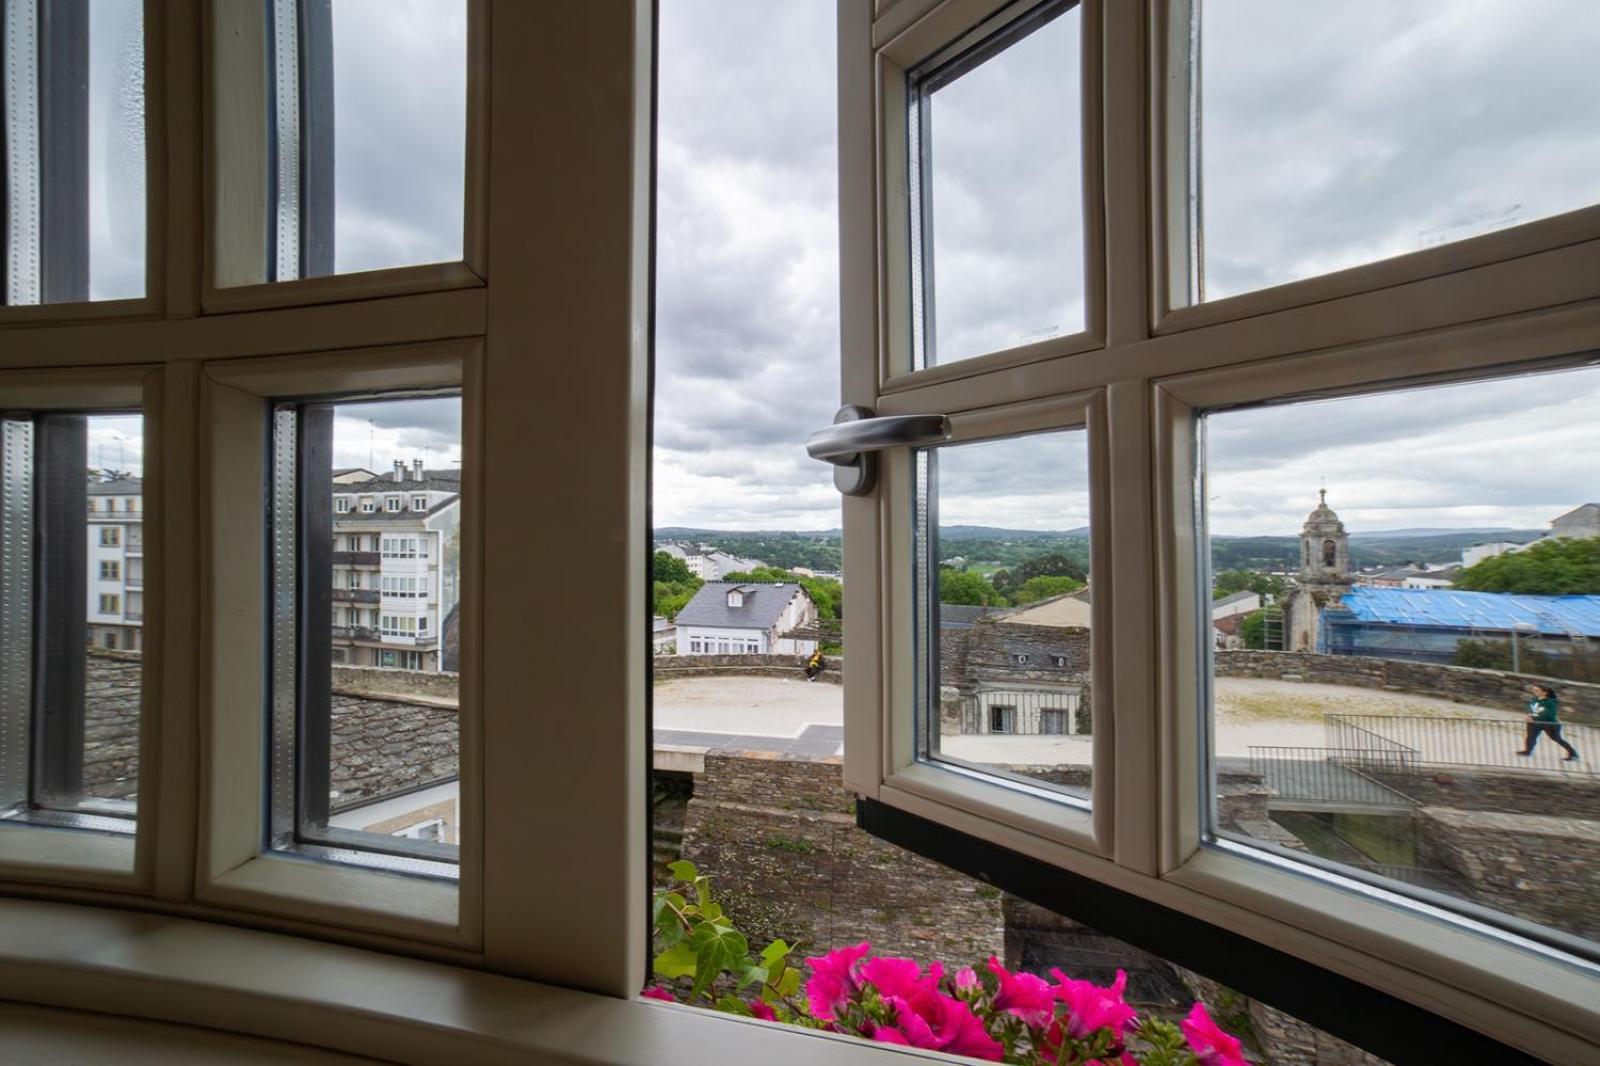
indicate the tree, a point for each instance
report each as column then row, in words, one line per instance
column 967, row 587
column 1559, row 566
column 1227, row 582
column 825, row 592
column 1044, row 587
column 669, row 568
column 1049, row 564
column 1253, row 630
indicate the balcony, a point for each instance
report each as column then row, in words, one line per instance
column 355, row 633
column 408, row 640
column 357, row 559
column 133, row 615
column 355, row 595
column 135, row 583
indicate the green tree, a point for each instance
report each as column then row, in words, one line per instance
column 1560, row 566
column 1227, row 582
column 671, row 569
column 1044, row 587
column 1253, row 630
column 1048, row 564
column 968, row 587
column 825, row 592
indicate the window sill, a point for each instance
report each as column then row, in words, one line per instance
column 35, row 853
column 364, row 1002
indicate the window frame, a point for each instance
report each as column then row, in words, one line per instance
column 234, row 76
column 1520, row 301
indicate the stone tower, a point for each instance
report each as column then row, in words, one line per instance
column 1324, row 576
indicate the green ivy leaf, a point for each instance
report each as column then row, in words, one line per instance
column 748, row 974
column 774, row 952
column 716, row 949
column 702, row 889
column 733, row 1005
column 679, row 960
column 789, row 983
column 711, row 911
column 683, row 870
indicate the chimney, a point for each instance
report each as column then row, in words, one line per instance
column 399, row 469
column 416, row 469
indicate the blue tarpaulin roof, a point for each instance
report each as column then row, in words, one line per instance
column 1567, row 615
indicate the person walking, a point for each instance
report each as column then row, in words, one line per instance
column 1544, row 716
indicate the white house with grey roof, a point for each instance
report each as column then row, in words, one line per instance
column 726, row 618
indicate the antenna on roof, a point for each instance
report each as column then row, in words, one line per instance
column 372, row 432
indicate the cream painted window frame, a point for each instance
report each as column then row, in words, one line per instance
column 233, row 869
column 1522, row 295
column 234, row 158
column 120, row 862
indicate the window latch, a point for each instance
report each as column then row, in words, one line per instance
column 851, row 444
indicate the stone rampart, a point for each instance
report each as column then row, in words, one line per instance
column 669, row 666
column 111, row 701
column 1580, row 702
column 385, row 746
column 1535, row 866
column 390, row 681
column 779, row 838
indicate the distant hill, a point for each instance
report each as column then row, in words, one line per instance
column 988, row 547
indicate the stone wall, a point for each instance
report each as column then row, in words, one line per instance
column 1535, row 866
column 385, row 746
column 390, row 681
column 779, row 838
column 1520, row 792
column 670, row 666
column 111, row 724
column 1486, row 688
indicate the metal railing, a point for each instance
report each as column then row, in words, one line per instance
column 1338, row 776
column 1489, row 743
column 1043, row 712
column 355, row 633
column 356, row 595
column 341, row 558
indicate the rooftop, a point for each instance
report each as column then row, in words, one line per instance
column 763, row 605
column 1494, row 611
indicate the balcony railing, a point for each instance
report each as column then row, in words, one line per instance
column 355, row 633
column 357, row 559
column 355, row 595
column 133, row 616
column 408, row 640
column 135, row 583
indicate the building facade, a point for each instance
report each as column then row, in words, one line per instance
column 115, row 608
column 746, row 619
column 396, row 565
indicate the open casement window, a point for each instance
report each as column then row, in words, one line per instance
column 1027, row 345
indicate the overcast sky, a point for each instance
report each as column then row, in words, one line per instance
column 1334, row 134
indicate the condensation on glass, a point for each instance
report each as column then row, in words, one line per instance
column 74, row 128
column 996, row 190
column 72, row 609
column 366, row 545
column 1003, row 608
column 1327, row 136
column 1405, row 641
column 357, row 146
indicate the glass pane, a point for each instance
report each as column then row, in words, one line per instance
column 1004, row 539
column 999, row 225
column 399, row 108
column 378, row 745
column 74, row 127
column 71, row 618
column 1388, row 648
column 1338, row 134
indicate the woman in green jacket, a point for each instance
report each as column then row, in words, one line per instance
column 1544, row 716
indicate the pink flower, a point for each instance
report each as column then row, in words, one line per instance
column 834, row 979
column 966, row 979
column 1023, row 994
column 1089, row 1008
column 759, row 1009
column 1210, row 1044
column 937, row 1022
column 891, row 976
column 888, row 1034
column 658, row 992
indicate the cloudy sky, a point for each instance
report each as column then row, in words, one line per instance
column 1334, row 134
column 375, row 435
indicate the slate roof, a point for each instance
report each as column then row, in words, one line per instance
column 1232, row 597
column 763, row 605
column 432, row 481
column 988, row 651
column 962, row 615
column 1456, row 609
column 126, row 487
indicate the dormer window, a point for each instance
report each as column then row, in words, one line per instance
column 419, row 503
column 392, row 505
column 1059, row 660
column 341, row 504
column 368, row 505
column 736, row 597
column 1019, row 659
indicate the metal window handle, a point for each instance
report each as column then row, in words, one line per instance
column 851, row 444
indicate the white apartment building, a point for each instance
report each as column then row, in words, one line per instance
column 746, row 619
column 396, row 565
column 115, row 581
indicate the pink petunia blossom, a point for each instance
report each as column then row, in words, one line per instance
column 1091, row 1007
column 892, row 976
column 966, row 979
column 834, row 979
column 658, row 992
column 934, row 1021
column 1211, row 1045
column 1023, row 994
column 760, row 1009
column 887, row 1034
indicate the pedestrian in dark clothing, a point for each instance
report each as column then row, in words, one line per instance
column 1544, row 716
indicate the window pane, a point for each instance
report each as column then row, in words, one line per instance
column 74, row 127
column 72, row 612
column 1388, row 648
column 1003, row 560
column 1333, row 135
column 366, row 739
column 355, row 158
column 997, row 192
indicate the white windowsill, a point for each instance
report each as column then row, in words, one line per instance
column 366, row 1002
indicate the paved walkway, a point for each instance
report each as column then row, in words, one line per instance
column 811, row 742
